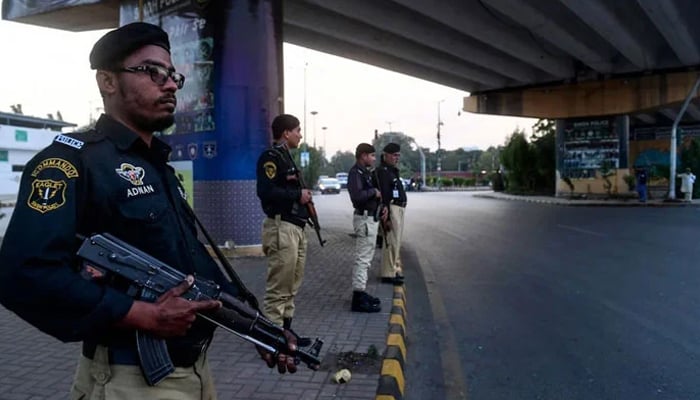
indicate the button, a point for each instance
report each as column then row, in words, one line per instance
column 152, row 216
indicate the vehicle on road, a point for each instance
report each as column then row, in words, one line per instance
column 342, row 177
column 328, row 185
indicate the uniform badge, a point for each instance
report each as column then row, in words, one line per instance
column 130, row 173
column 270, row 169
column 47, row 195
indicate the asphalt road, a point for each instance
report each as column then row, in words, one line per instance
column 515, row 300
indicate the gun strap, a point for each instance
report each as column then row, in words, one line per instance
column 232, row 275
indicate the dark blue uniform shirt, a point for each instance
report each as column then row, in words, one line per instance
column 104, row 180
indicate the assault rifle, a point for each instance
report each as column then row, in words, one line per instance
column 111, row 260
column 310, row 207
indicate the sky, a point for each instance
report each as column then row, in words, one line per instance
column 47, row 70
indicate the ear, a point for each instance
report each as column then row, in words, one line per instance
column 106, row 82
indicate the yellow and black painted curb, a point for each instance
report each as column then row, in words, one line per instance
column 391, row 380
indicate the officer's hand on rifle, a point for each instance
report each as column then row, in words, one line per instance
column 284, row 363
column 305, row 196
column 171, row 315
column 377, row 194
column 385, row 215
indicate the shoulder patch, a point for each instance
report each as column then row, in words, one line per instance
column 270, row 169
column 49, row 184
column 69, row 141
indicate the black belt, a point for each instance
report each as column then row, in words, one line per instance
column 398, row 203
column 291, row 219
column 363, row 212
column 128, row 356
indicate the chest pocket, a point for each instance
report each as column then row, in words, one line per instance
column 144, row 211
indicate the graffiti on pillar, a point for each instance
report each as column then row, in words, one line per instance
column 589, row 145
column 191, row 48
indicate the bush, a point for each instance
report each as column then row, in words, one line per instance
column 459, row 181
column 446, row 182
column 630, row 180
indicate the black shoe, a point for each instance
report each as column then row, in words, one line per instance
column 396, row 280
column 373, row 300
column 361, row 302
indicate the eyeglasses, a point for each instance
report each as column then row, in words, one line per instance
column 159, row 75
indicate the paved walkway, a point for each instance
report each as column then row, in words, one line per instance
column 35, row 366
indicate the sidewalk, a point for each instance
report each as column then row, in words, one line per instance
column 35, row 366
column 565, row 201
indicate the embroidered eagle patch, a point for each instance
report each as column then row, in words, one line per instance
column 270, row 169
column 50, row 194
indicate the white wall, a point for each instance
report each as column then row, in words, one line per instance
column 19, row 153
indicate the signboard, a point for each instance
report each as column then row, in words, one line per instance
column 191, row 48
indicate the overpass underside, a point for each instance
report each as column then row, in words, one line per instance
column 560, row 59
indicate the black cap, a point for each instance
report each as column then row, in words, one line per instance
column 364, row 148
column 392, row 148
column 118, row 44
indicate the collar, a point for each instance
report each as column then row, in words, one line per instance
column 125, row 139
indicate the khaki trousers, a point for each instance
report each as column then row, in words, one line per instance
column 96, row 379
column 284, row 244
column 391, row 260
column 365, row 242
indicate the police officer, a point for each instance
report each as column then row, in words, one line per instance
column 284, row 239
column 365, row 197
column 115, row 179
column 394, row 198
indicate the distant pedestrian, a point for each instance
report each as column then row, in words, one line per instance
column 687, row 181
column 642, row 184
column 365, row 197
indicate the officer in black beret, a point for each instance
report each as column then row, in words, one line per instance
column 394, row 198
column 115, row 179
column 365, row 196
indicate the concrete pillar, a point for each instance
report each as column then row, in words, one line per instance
column 231, row 55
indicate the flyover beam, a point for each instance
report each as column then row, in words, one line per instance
column 429, row 33
column 667, row 19
column 546, row 28
column 472, row 20
column 609, row 97
column 319, row 21
column 601, row 19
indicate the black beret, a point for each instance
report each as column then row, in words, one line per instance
column 364, row 148
column 118, row 44
column 392, row 148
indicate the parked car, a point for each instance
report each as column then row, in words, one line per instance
column 342, row 177
column 328, row 185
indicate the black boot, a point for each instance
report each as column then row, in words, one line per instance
column 301, row 341
column 373, row 300
column 361, row 302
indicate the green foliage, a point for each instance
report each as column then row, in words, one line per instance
column 570, row 184
column 458, row 181
column 446, row 182
column 606, row 171
column 341, row 162
column 531, row 166
column 631, row 182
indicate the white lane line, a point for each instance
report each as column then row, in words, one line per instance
column 579, row 230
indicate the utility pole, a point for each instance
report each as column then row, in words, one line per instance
column 439, row 124
column 313, row 114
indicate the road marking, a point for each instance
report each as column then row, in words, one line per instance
column 579, row 230
column 453, row 376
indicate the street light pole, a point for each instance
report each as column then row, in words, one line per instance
column 389, row 123
column 323, row 128
column 313, row 114
column 439, row 124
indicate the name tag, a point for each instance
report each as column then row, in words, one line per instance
column 395, row 194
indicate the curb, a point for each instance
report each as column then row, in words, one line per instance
column 392, row 379
column 588, row 203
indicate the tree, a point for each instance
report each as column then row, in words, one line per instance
column 530, row 166
column 341, row 162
